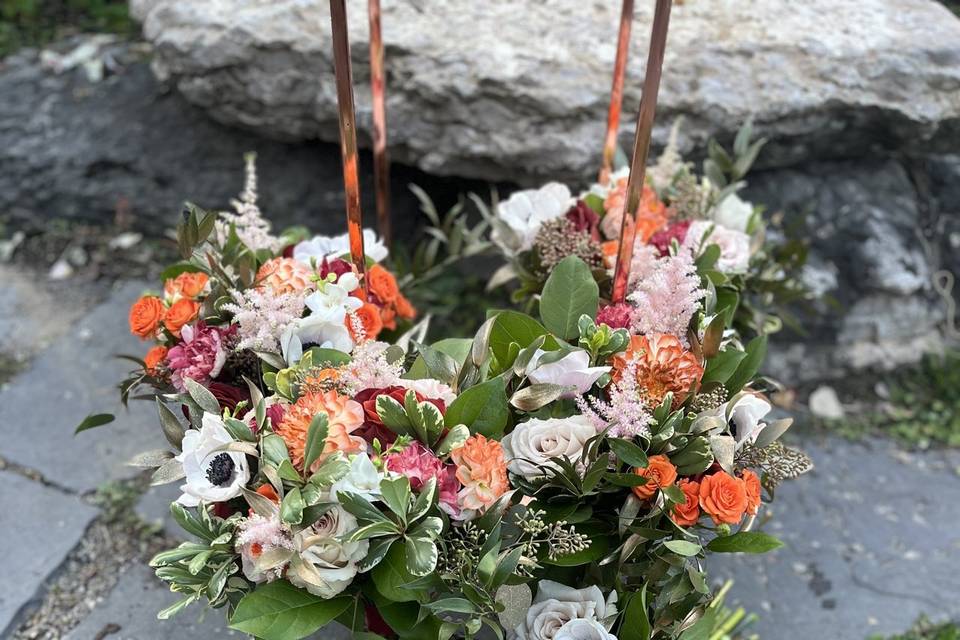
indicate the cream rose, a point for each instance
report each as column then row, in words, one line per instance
column 733, row 213
column 323, row 564
column 531, row 445
column 557, row 605
column 734, row 245
column 581, row 629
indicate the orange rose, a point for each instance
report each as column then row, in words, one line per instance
column 369, row 315
column 189, row 285
column 752, row 483
column 482, row 471
column 388, row 316
column 382, row 284
column 145, row 316
column 180, row 313
column 404, row 308
column 659, row 473
column 154, row 358
column 723, row 497
column 688, row 513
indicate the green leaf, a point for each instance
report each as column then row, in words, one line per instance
column 421, row 555
column 683, row 548
column 744, row 542
column 636, row 624
column 202, row 396
column 274, row 450
column 537, row 395
column 396, row 495
column 629, row 452
column 393, row 415
column 280, row 611
column 570, row 292
column 515, row 327
column 748, row 367
column 483, row 408
column 316, row 440
column 391, row 574
column 439, row 365
column 451, row 605
column 721, row 366
column 291, row 509
column 93, row 421
column 173, row 431
column 456, row 348
column 360, row 507
column 321, row 357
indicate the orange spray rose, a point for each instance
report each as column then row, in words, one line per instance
column 659, row 473
column 369, row 315
column 382, row 284
column 145, row 316
column 188, row 285
column 723, row 497
column 752, row 483
column 155, row 358
column 180, row 313
column 688, row 513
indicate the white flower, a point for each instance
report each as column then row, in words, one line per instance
column 734, row 245
column 332, row 301
column 363, row 479
column 324, row 565
column 520, row 216
column 572, row 370
column 581, row 629
column 315, row 250
column 314, row 331
column 603, row 190
column 212, row 476
column 265, row 545
column 744, row 410
column 733, row 213
column 531, row 444
column 430, row 388
column 556, row 605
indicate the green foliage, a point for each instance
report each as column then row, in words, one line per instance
column 924, row 629
column 570, row 292
column 38, row 22
column 281, row 611
column 921, row 408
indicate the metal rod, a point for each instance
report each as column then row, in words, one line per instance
column 381, row 162
column 641, row 147
column 616, row 91
column 348, row 136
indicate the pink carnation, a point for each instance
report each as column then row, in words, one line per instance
column 419, row 464
column 200, row 354
column 616, row 316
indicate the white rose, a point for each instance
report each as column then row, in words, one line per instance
column 520, row 216
column 212, row 476
column 323, row 565
column 531, row 445
column 581, row 629
column 734, row 245
column 430, row 388
column 314, row 251
column 363, row 479
column 733, row 213
column 556, row 605
column 572, row 370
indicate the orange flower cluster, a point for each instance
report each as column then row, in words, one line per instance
column 385, row 303
column 662, row 366
column 723, row 497
column 482, row 470
column 284, row 275
column 179, row 306
column 652, row 216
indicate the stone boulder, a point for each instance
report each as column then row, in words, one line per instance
column 518, row 90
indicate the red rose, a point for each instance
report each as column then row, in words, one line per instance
column 584, row 219
column 677, row 231
column 228, row 395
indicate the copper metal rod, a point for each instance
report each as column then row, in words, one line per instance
column 616, row 91
column 641, row 147
column 348, row 136
column 381, row 162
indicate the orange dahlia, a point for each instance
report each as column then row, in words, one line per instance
column 284, row 275
column 662, row 366
column 344, row 416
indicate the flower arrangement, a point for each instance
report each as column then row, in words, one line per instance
column 686, row 223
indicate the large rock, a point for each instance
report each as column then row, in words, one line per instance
column 518, row 90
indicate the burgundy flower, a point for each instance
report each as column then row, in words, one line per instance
column 228, row 395
column 676, row 231
column 616, row 316
column 584, row 219
column 335, row 266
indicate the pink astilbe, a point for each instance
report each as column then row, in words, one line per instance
column 369, row 369
column 250, row 225
column 262, row 316
column 624, row 411
column 665, row 300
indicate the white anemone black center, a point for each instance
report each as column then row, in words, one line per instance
column 220, row 470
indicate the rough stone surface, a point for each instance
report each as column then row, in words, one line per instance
column 77, row 375
column 130, row 613
column 129, row 147
column 41, row 525
column 518, row 90
column 871, row 543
